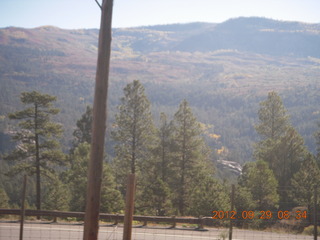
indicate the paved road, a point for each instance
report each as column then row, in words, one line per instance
column 10, row 231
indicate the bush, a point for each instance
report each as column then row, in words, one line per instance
column 309, row 230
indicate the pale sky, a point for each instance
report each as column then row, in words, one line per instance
column 74, row 14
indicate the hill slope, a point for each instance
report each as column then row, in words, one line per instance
column 223, row 70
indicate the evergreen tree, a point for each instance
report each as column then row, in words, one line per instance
column 76, row 177
column 163, row 150
column 208, row 194
column 155, row 195
column 37, row 152
column 243, row 201
column 4, row 199
column 281, row 146
column 133, row 133
column 260, row 181
column 303, row 183
column 190, row 155
column 56, row 195
column 273, row 118
column 83, row 132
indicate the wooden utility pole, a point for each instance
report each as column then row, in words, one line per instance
column 91, row 224
column 315, row 214
column 23, row 211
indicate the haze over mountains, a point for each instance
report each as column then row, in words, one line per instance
column 223, row 70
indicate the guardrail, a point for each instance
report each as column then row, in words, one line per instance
column 200, row 222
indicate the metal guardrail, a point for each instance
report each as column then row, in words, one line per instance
column 113, row 217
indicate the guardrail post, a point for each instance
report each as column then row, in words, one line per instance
column 174, row 224
column 200, row 223
column 55, row 218
column 117, row 220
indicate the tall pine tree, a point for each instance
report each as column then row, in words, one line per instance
column 38, row 151
column 156, row 194
column 190, row 158
column 133, row 133
column 280, row 146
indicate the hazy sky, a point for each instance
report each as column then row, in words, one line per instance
column 127, row 13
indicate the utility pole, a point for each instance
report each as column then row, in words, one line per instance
column 91, row 224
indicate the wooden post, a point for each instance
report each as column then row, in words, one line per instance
column 200, row 224
column 128, row 217
column 174, row 224
column 23, row 211
column 91, row 224
column 232, row 208
column 315, row 214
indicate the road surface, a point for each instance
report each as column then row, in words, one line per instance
column 51, row 231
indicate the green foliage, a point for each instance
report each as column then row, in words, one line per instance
column 273, row 119
column 304, row 181
column 83, row 131
column 243, row 199
column 4, row 199
column 208, row 194
column 76, row 177
column 281, row 145
column 190, row 155
column 259, row 180
column 156, row 195
column 56, row 195
column 37, row 152
column 133, row 133
column 111, row 198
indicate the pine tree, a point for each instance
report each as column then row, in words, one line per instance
column 133, row 133
column 262, row 184
column 76, row 177
column 37, row 152
column 4, row 199
column 155, row 196
column 303, row 183
column 208, row 194
column 190, row 155
column 56, row 195
column 83, row 132
column 280, row 146
column 273, row 118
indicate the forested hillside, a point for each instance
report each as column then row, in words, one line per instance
column 222, row 70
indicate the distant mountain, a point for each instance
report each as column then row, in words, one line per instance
column 258, row 35
column 223, row 70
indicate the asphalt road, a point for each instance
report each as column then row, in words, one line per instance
column 10, row 231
